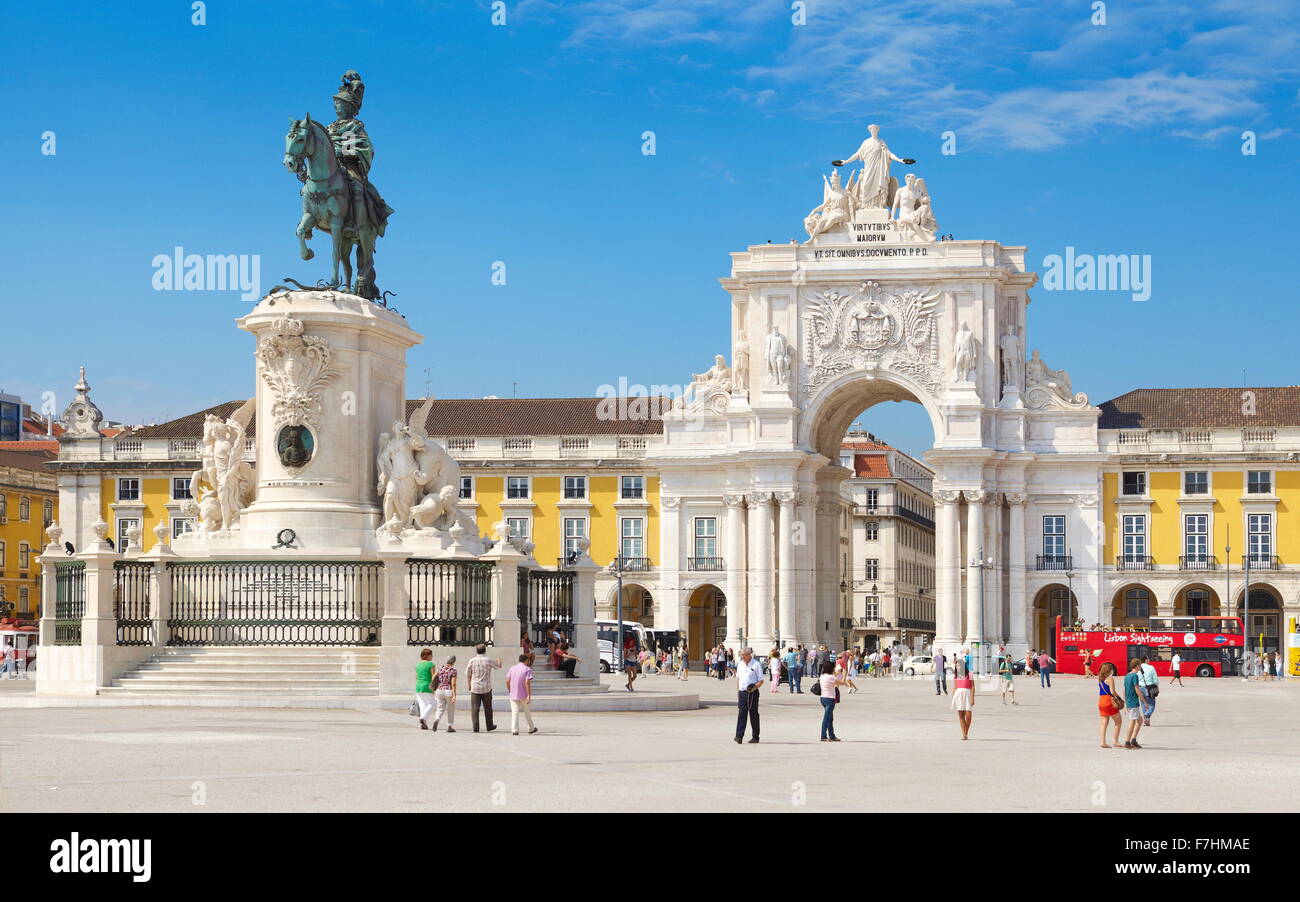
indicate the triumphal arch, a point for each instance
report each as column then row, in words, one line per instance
column 878, row 305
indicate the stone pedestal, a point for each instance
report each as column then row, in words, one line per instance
column 331, row 378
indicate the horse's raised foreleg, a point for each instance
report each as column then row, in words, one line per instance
column 304, row 235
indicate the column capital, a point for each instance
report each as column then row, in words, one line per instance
column 974, row 496
column 993, row 499
column 1016, row 499
column 756, row 499
column 670, row 502
column 787, row 499
column 946, row 496
column 734, row 501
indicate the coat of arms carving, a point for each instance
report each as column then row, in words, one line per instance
column 873, row 328
column 296, row 367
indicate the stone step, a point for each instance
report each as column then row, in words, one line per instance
column 365, row 667
column 247, row 692
column 136, row 679
column 191, row 676
column 247, row 651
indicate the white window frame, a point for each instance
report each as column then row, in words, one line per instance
column 122, row 481
column 514, row 523
column 872, row 569
column 1201, row 534
column 1146, row 484
column 1208, row 478
column 871, row 531
column 528, row 488
column 24, row 509
column 624, row 537
column 709, row 539
column 1135, row 550
column 581, row 482
column 24, row 556
column 571, row 539
column 1054, row 542
column 460, row 491
column 180, row 482
column 623, row 492
column 1268, row 474
column 1266, row 544
column 182, row 526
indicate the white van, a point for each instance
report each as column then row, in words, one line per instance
column 607, row 637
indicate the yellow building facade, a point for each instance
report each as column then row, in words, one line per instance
column 1200, row 492
column 28, row 503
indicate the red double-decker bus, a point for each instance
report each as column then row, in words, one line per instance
column 1207, row 646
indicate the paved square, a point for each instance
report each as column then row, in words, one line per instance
column 1217, row 745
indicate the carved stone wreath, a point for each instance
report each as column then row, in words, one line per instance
column 295, row 367
column 871, row 328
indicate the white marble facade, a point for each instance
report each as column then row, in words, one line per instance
column 868, row 311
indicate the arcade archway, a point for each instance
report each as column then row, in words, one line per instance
column 1052, row 601
column 707, row 624
column 638, row 604
column 1264, row 618
column 1132, row 606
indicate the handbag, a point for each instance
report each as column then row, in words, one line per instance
column 414, row 710
column 816, row 688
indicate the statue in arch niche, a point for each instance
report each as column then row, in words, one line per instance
column 1009, row 345
column 963, row 355
column 778, row 358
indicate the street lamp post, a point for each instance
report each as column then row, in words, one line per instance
column 616, row 571
column 981, row 564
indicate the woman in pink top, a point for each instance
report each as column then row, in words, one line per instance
column 963, row 696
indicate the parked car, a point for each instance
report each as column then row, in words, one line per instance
column 923, row 665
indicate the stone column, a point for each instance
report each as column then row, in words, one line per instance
column 974, row 548
column 160, row 585
column 667, row 609
column 737, row 577
column 787, row 604
column 993, row 625
column 396, row 658
column 826, row 606
column 1018, row 641
column 758, row 629
column 49, row 559
column 584, row 612
column 805, row 561
column 947, row 577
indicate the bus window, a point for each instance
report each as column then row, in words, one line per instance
column 1071, row 648
column 1154, row 653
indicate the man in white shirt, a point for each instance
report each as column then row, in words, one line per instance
column 1151, row 683
column 749, row 676
column 1176, row 668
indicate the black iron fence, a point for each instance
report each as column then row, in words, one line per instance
column 69, row 601
column 545, row 597
column 451, row 602
column 131, row 602
column 275, row 603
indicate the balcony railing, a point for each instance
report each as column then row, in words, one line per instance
column 1198, row 562
column 1261, row 561
column 705, row 563
column 634, row 564
column 1055, row 562
column 894, row 510
column 1134, row 562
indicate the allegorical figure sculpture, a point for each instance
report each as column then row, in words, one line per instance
column 911, row 207
column 711, row 389
column 1046, row 387
column 419, row 481
column 778, row 358
column 873, row 187
column 963, row 355
column 835, row 210
column 333, row 164
column 224, row 484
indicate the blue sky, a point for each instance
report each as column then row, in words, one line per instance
column 522, row 144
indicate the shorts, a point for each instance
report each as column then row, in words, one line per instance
column 1133, row 713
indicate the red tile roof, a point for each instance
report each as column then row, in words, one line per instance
column 483, row 416
column 23, row 460
column 1172, row 408
column 875, row 466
